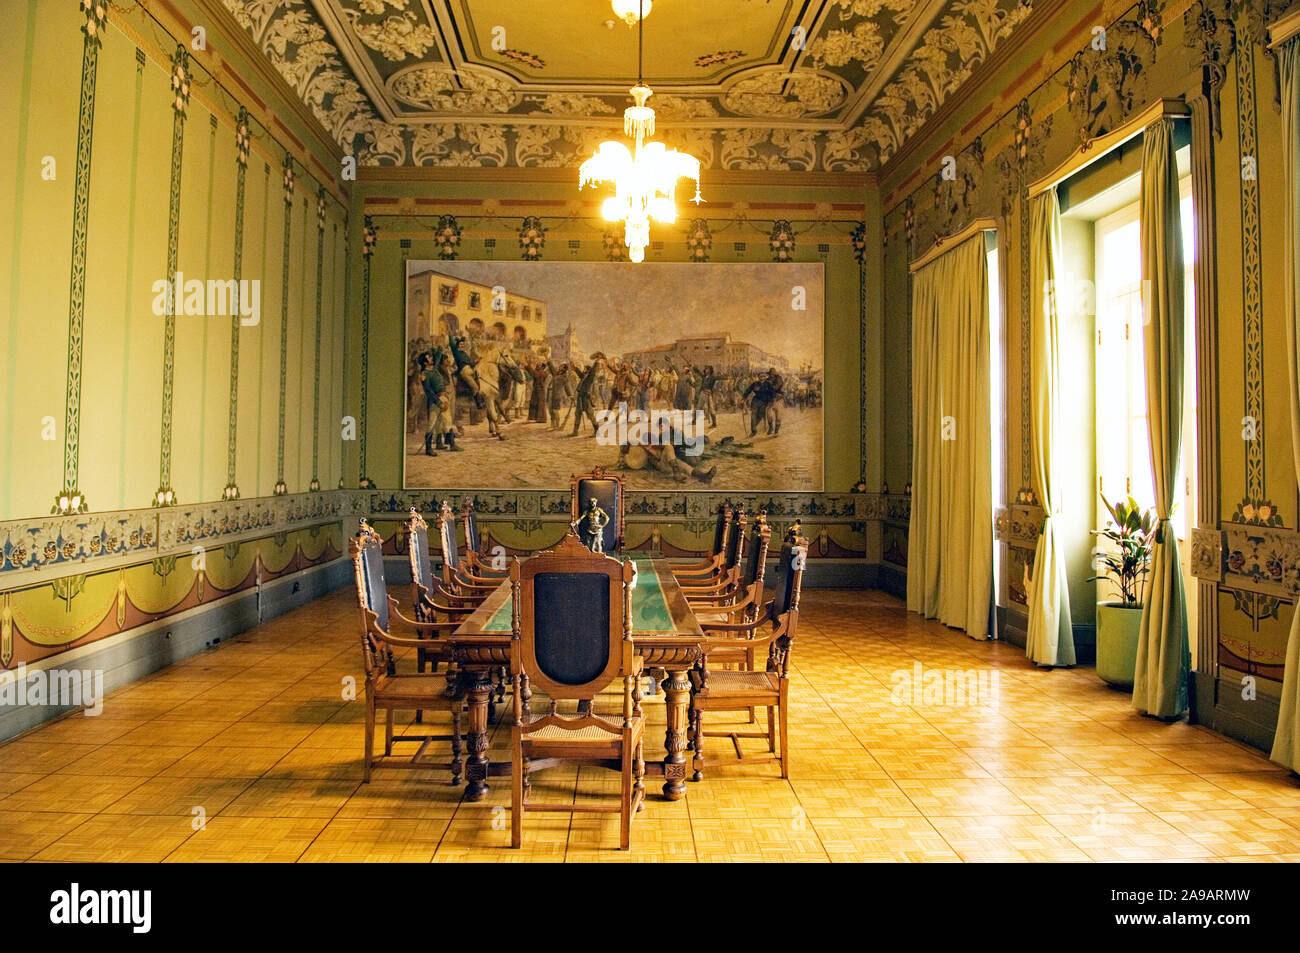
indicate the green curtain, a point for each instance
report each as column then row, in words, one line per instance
column 1163, row 655
column 1286, row 743
column 950, row 538
column 1051, row 632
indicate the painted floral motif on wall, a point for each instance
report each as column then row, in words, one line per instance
column 447, row 237
column 699, row 240
column 532, row 238
column 612, row 243
column 781, row 241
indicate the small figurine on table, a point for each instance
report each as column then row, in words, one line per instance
column 592, row 533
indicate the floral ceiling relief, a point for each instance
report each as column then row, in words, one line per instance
column 428, row 89
column 440, row 89
column 786, row 95
column 944, row 59
column 396, row 37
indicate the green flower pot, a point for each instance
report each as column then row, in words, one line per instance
column 1117, row 642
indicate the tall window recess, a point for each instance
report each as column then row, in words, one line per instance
column 997, row 398
column 1123, row 450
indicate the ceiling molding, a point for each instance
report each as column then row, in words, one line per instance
column 232, row 33
column 409, row 80
column 370, row 174
column 900, row 48
column 1044, row 14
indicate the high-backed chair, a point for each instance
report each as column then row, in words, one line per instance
column 386, row 688
column 425, row 590
column 773, row 631
column 727, row 582
column 462, row 591
column 461, row 587
column 572, row 638
column 706, row 566
column 474, row 560
column 746, row 602
column 607, row 490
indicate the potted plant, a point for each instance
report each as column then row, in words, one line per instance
column 1130, row 530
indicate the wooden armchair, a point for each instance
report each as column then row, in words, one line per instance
column 461, row 587
column 773, row 631
column 746, row 602
column 727, row 582
column 475, row 562
column 607, row 490
column 425, row 591
column 706, row 566
column 386, row 688
column 572, row 637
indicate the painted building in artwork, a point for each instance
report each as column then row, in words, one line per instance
column 437, row 303
column 565, row 347
column 719, row 349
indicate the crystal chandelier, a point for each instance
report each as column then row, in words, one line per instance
column 645, row 177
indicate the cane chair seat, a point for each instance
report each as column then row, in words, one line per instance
column 736, row 683
column 413, row 687
column 586, row 734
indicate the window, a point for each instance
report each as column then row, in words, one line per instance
column 1123, row 451
column 997, row 397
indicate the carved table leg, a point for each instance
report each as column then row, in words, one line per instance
column 677, row 699
column 478, row 691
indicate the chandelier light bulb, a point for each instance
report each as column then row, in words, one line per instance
column 629, row 11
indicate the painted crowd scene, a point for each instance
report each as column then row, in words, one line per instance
column 520, row 374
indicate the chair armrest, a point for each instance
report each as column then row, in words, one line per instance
column 711, row 626
column 428, row 603
column 727, row 607
column 432, row 627
column 680, row 565
column 476, row 583
column 487, row 571
column 409, row 643
column 717, row 586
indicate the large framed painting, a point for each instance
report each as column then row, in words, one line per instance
column 683, row 376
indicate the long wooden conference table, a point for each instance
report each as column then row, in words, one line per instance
column 667, row 636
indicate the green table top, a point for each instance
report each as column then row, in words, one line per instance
column 658, row 606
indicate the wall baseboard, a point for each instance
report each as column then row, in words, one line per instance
column 1217, row 704
column 892, row 579
column 146, row 649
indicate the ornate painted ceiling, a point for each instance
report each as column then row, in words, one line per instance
column 831, row 85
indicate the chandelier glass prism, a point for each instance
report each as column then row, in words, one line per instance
column 644, row 177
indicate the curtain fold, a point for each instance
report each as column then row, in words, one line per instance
column 1163, row 655
column 1051, row 632
column 950, row 537
column 1286, row 743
